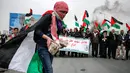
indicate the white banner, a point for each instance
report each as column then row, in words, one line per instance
column 79, row 45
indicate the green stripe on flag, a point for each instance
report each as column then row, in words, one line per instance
column 86, row 21
column 116, row 26
column 106, row 24
column 85, row 29
column 77, row 24
column 27, row 21
column 99, row 27
column 35, row 65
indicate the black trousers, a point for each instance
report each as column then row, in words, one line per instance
column 127, row 53
column 62, row 53
column 74, row 54
column 112, row 51
column 94, row 49
column 103, row 51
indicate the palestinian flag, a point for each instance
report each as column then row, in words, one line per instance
column 106, row 23
column 31, row 11
column 76, row 21
column 85, row 28
column 17, row 53
column 84, row 19
column 97, row 25
column 115, row 23
column 117, row 26
column 85, row 15
column 114, row 20
column 84, row 24
column 128, row 27
column 28, row 17
column 20, row 54
column 103, row 22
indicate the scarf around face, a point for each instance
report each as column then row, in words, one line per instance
column 55, row 24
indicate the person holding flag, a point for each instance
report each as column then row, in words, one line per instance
column 48, row 29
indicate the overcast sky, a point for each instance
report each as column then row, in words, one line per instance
column 76, row 7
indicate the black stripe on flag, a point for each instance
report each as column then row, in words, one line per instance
column 8, row 50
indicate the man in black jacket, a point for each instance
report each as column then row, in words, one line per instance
column 112, row 46
column 127, row 39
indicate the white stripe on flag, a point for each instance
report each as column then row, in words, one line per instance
column 23, row 55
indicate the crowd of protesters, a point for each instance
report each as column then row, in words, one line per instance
column 104, row 45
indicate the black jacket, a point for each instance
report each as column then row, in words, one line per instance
column 112, row 41
column 127, row 39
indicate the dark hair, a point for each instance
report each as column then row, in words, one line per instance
column 128, row 31
column 16, row 28
column 28, row 14
column 76, row 29
column 104, row 31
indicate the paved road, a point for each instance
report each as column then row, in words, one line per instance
column 90, row 65
column 87, row 65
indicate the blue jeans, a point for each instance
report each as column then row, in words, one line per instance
column 46, row 59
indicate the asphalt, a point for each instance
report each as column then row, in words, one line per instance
column 86, row 65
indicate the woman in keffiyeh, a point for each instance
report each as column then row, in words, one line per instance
column 48, row 29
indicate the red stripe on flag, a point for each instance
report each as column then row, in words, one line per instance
column 96, row 24
column 84, row 16
column 128, row 27
column 26, row 27
column 84, row 24
column 112, row 21
column 103, row 22
column 31, row 11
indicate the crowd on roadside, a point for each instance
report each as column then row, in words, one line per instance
column 104, row 44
